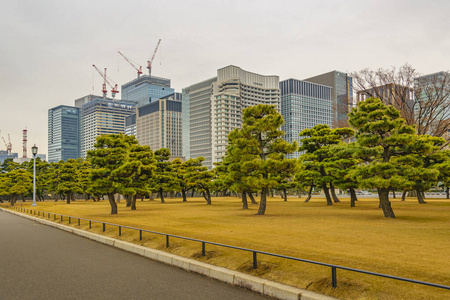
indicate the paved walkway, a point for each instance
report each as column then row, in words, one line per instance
column 41, row 262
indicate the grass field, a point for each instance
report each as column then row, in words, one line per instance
column 415, row 245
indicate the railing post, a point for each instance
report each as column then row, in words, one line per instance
column 140, row 235
column 61, row 218
column 90, row 226
column 333, row 277
column 69, row 220
column 203, row 249
column 54, row 216
column 167, row 241
column 103, row 227
column 120, row 230
column 78, row 221
column 255, row 261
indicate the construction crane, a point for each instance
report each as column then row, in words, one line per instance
column 149, row 62
column 8, row 145
column 114, row 90
column 139, row 70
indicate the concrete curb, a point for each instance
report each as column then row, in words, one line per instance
column 256, row 284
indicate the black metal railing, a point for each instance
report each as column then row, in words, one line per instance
column 203, row 243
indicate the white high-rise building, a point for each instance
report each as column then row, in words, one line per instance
column 213, row 108
column 102, row 116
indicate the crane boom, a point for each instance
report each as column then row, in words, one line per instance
column 149, row 62
column 104, row 91
column 114, row 89
column 139, row 70
column 8, row 145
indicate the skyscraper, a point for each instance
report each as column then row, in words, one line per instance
column 304, row 105
column 158, row 124
column 196, row 121
column 63, row 133
column 341, row 94
column 212, row 108
column 146, row 89
column 432, row 104
column 103, row 116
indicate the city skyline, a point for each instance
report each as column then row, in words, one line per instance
column 48, row 48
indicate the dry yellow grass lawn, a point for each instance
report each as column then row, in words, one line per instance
column 415, row 245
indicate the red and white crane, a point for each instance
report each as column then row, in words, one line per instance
column 114, row 89
column 8, row 145
column 139, row 70
column 149, row 62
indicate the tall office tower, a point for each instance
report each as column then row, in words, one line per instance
column 304, row 105
column 63, row 133
column 130, row 125
column 341, row 94
column 214, row 108
column 432, row 107
column 103, row 116
column 196, row 116
column 146, row 89
column 158, row 124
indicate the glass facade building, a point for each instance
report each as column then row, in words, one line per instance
column 196, row 116
column 341, row 94
column 304, row 105
column 146, row 89
column 63, row 133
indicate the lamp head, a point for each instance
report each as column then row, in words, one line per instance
column 34, row 150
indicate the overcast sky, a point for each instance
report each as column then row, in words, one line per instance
column 47, row 47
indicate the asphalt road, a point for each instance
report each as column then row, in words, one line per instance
column 42, row 262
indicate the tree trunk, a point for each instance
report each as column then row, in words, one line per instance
column 285, row 194
column 309, row 193
column 271, row 192
column 244, row 200
column 183, row 193
column 252, row 198
column 193, row 193
column 404, row 195
column 383, row 194
column 133, row 202
column 113, row 204
column 68, row 198
column 128, row 200
column 393, row 194
column 326, row 191
column 447, row 192
column 353, row 197
column 333, row 193
column 420, row 197
column 161, row 195
column 263, row 201
column 207, row 196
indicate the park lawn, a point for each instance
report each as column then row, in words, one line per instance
column 415, row 245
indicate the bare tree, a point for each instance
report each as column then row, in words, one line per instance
column 423, row 101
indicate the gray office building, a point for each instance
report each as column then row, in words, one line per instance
column 341, row 94
column 304, row 105
column 196, row 121
column 103, row 116
column 63, row 133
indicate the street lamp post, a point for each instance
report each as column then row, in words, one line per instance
column 34, row 150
